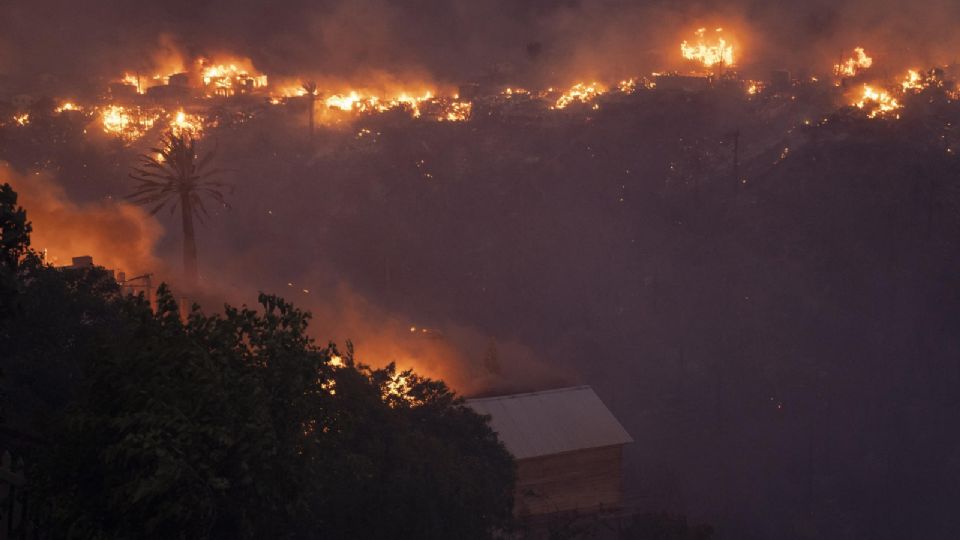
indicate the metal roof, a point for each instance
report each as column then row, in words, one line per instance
column 552, row 421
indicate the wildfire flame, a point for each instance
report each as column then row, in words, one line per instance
column 229, row 79
column 852, row 66
column 457, row 111
column 877, row 102
column 510, row 92
column 127, row 124
column 709, row 54
column 580, row 92
column 361, row 102
column 68, row 106
column 132, row 80
column 916, row 81
column 186, row 124
column 627, row 86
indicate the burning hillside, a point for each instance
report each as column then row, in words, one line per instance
column 195, row 94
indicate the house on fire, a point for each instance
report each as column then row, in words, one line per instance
column 568, row 447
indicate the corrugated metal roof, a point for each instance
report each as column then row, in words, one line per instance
column 552, row 421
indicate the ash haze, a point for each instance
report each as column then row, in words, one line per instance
column 761, row 285
column 547, row 40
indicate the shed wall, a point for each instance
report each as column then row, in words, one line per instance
column 582, row 480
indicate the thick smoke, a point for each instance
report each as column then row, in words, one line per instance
column 117, row 235
column 454, row 41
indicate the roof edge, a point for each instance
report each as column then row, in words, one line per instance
column 537, row 393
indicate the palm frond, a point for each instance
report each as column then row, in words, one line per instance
column 177, row 172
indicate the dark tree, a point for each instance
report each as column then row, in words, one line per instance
column 310, row 88
column 175, row 175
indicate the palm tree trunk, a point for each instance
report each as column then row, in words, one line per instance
column 189, row 240
column 313, row 100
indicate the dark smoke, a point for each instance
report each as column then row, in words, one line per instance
column 453, row 41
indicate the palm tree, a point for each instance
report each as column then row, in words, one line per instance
column 173, row 175
column 310, row 88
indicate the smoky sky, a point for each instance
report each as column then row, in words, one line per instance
column 456, row 40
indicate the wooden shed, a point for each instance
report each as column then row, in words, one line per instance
column 568, row 447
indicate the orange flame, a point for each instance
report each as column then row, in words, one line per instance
column 854, row 65
column 580, row 92
column 712, row 53
column 877, row 102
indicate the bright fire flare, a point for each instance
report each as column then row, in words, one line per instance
column 458, row 111
column 126, row 123
column 877, row 102
column 229, row 79
column 717, row 51
column 184, row 124
column 627, row 86
column 580, row 92
column 852, row 66
column 916, row 81
column 68, row 106
column 354, row 101
column 22, row 119
column 134, row 81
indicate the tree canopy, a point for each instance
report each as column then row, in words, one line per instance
column 138, row 423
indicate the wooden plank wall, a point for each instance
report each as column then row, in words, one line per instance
column 582, row 480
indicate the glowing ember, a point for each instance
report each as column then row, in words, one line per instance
column 186, row 124
column 916, row 81
column 132, row 80
column 68, row 106
column 458, row 111
column 127, row 124
column 397, row 386
column 627, row 86
column 709, row 52
column 852, row 66
column 22, row 119
column 913, row 81
column 510, row 92
column 230, row 79
column 579, row 92
column 877, row 102
column 355, row 101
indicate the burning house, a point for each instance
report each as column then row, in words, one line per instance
column 568, row 447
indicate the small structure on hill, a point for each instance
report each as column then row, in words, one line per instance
column 568, row 447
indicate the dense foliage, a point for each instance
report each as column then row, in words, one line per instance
column 138, row 423
column 778, row 332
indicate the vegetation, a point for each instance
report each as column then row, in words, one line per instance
column 137, row 423
column 310, row 90
column 781, row 321
column 174, row 174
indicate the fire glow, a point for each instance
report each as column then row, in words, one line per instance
column 877, row 102
column 709, row 52
column 358, row 101
column 854, row 65
column 580, row 92
column 230, row 78
column 183, row 124
column 127, row 124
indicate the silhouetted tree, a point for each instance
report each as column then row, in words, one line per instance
column 176, row 176
column 310, row 87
